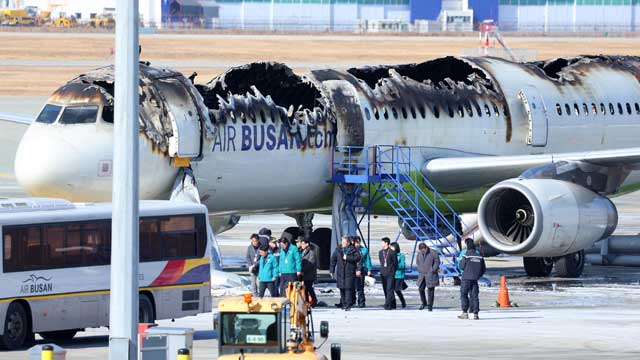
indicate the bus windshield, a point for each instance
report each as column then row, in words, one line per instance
column 252, row 330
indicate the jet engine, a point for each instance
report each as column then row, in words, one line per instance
column 544, row 217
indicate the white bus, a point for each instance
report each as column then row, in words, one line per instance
column 55, row 266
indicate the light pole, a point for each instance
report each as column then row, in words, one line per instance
column 123, row 311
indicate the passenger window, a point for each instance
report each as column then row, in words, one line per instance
column 376, row 114
column 469, row 109
column 394, row 112
column 576, row 108
column 150, row 246
column 594, row 109
column 179, row 237
column 413, row 112
column 637, row 109
column 262, row 117
column 404, row 112
column 436, row 112
column 107, row 114
column 450, row 111
column 49, row 114
column 478, row 109
column 385, row 113
column 559, row 109
column 422, row 111
column 585, row 109
column 611, row 109
column 628, row 109
column 487, row 110
column 79, row 114
column 73, row 247
column 497, row 112
column 54, row 238
column 367, row 113
column 603, row 109
column 567, row 109
column 619, row 108
column 460, row 111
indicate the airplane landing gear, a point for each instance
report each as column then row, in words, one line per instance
column 571, row 266
column 538, row 266
column 320, row 237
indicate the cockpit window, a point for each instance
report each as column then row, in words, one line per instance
column 79, row 114
column 49, row 114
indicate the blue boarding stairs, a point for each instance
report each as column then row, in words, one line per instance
column 388, row 173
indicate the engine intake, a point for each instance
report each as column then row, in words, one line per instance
column 544, row 217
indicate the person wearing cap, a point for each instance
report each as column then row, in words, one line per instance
column 309, row 268
column 290, row 264
column 268, row 272
column 345, row 262
column 264, row 236
column 388, row 267
column 428, row 265
column 274, row 250
column 474, row 267
column 365, row 270
column 252, row 257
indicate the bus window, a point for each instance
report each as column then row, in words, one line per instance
column 150, row 246
column 73, row 247
column 54, row 238
column 23, row 249
column 178, row 237
column 92, row 241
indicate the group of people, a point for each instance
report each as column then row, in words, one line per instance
column 273, row 264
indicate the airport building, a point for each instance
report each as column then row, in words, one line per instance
column 370, row 15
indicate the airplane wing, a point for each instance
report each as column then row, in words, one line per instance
column 16, row 118
column 12, row 127
column 455, row 174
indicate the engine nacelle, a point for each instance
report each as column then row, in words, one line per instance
column 544, row 217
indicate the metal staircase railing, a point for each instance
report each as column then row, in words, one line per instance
column 391, row 168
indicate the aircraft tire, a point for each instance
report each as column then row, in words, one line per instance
column 322, row 238
column 537, row 266
column 293, row 231
column 571, row 266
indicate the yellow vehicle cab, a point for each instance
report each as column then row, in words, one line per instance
column 270, row 328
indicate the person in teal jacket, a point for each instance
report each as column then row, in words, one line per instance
column 399, row 277
column 267, row 272
column 290, row 264
column 365, row 270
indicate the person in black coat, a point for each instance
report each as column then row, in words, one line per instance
column 309, row 268
column 474, row 267
column 428, row 265
column 345, row 261
column 388, row 267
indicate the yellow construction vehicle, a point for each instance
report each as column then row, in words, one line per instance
column 102, row 21
column 270, row 328
column 65, row 22
column 16, row 17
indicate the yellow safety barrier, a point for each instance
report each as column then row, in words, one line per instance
column 183, row 354
column 47, row 352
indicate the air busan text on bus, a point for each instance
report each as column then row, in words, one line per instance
column 533, row 148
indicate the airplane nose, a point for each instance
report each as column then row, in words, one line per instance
column 48, row 164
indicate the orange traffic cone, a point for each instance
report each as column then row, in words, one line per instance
column 503, row 295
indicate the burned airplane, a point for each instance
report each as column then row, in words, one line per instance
column 533, row 148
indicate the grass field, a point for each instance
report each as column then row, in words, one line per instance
column 36, row 64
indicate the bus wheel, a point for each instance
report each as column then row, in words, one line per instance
column 61, row 335
column 145, row 310
column 16, row 327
